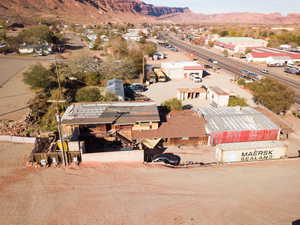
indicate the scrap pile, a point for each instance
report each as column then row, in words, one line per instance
column 15, row 128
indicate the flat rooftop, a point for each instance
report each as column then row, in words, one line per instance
column 119, row 113
column 218, row 90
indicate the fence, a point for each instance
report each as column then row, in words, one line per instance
column 15, row 139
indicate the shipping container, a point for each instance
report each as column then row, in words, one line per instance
column 251, row 151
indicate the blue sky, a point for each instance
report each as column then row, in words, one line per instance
column 223, row 6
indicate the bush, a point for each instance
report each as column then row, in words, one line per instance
column 237, row 101
column 92, row 78
column 241, row 82
column 88, row 94
column 273, row 95
column 37, row 34
column 149, row 48
column 38, row 77
column 172, row 104
column 110, row 97
column 226, row 53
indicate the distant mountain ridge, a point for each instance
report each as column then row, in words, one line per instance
column 243, row 18
column 135, row 11
column 86, row 10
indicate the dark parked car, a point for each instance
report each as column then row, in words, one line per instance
column 206, row 66
column 138, row 87
column 167, row 158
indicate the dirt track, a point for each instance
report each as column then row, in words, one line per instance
column 258, row 193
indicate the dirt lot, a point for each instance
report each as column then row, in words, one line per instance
column 255, row 193
column 14, row 94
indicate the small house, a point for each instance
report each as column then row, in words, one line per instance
column 182, row 70
column 217, row 96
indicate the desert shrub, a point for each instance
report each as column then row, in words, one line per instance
column 241, row 82
column 88, row 94
column 273, row 95
column 172, row 104
column 237, row 101
column 39, row 77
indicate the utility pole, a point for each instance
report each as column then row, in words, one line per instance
column 143, row 68
column 58, row 119
column 61, row 139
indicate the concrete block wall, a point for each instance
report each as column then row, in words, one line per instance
column 15, row 139
column 118, row 156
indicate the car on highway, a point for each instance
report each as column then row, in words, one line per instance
column 292, row 70
column 264, row 71
column 167, row 158
column 275, row 65
column 213, row 61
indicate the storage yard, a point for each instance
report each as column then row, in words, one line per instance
column 137, row 194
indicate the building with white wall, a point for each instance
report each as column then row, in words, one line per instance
column 217, row 96
column 239, row 44
column 182, row 70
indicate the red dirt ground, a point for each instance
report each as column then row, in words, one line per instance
column 264, row 193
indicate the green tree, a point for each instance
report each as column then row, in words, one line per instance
column 241, row 82
column 149, row 48
column 110, row 97
column 37, row 34
column 119, row 47
column 273, row 95
column 224, row 33
column 226, row 53
column 92, row 78
column 248, row 50
column 172, row 104
column 211, row 44
column 237, row 101
column 3, row 36
column 38, row 77
column 88, row 94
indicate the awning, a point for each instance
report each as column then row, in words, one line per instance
column 151, row 143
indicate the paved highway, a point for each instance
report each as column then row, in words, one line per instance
column 231, row 65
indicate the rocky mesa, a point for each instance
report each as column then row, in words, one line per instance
column 86, row 10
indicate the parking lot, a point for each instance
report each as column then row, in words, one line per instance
column 160, row 92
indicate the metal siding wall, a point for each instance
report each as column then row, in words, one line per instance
column 244, row 136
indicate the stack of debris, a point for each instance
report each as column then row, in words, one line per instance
column 15, row 128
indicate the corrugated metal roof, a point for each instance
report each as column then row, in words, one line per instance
column 250, row 145
column 117, row 112
column 235, row 119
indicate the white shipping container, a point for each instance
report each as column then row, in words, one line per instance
column 251, row 151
